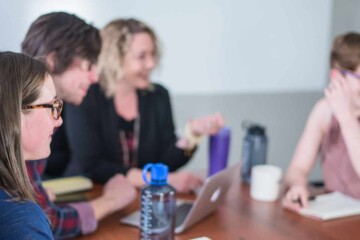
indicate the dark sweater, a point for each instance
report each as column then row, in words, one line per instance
column 93, row 133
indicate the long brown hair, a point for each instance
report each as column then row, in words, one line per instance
column 116, row 37
column 21, row 79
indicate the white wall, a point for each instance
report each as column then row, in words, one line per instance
column 346, row 16
column 211, row 46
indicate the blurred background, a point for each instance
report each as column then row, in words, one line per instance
column 266, row 61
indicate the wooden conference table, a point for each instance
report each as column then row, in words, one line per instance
column 239, row 218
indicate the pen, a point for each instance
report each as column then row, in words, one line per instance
column 298, row 200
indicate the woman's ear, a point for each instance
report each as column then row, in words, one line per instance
column 50, row 61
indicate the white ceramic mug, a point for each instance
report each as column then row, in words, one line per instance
column 265, row 182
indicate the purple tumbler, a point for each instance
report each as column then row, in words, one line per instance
column 218, row 151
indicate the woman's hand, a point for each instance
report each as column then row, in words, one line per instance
column 207, row 125
column 185, row 182
column 339, row 96
column 296, row 198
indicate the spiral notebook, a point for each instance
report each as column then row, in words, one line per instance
column 331, row 206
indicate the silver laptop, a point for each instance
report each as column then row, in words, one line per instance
column 210, row 196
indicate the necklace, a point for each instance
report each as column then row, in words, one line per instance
column 127, row 153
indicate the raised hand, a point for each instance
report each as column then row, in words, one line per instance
column 339, row 95
column 207, row 125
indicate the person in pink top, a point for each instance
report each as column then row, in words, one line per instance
column 332, row 129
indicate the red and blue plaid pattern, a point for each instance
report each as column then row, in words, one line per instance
column 65, row 219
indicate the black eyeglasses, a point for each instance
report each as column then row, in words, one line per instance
column 56, row 107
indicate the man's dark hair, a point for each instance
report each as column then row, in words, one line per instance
column 66, row 35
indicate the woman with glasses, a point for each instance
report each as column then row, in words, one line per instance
column 333, row 129
column 29, row 113
column 127, row 121
column 70, row 48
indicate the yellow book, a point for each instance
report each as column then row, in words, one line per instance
column 68, row 185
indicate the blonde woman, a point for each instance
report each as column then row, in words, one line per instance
column 127, row 121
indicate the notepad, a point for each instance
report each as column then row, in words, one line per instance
column 68, row 185
column 331, row 206
column 71, row 197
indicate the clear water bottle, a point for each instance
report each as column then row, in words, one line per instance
column 254, row 149
column 158, row 204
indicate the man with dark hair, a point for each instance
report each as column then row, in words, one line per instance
column 70, row 47
column 64, row 34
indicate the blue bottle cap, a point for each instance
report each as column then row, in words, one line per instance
column 158, row 173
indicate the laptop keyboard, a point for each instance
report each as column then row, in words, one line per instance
column 182, row 211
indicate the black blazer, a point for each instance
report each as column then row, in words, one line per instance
column 93, row 133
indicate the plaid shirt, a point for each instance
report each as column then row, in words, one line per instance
column 65, row 219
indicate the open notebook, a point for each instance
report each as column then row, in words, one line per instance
column 331, row 206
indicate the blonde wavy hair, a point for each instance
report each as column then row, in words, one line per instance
column 116, row 38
